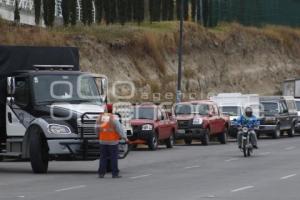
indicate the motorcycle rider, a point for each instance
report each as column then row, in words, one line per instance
column 250, row 121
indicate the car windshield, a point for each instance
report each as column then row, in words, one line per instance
column 231, row 110
column 298, row 105
column 144, row 113
column 270, row 108
column 187, row 109
column 65, row 88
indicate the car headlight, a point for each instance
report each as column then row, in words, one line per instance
column 197, row 121
column 58, row 129
column 147, row 127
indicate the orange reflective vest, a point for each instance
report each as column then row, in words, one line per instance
column 107, row 132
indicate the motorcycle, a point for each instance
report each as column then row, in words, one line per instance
column 247, row 147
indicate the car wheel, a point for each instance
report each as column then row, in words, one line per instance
column 291, row 132
column 153, row 142
column 188, row 141
column 277, row 132
column 170, row 141
column 38, row 150
column 205, row 139
column 223, row 137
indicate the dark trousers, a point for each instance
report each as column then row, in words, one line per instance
column 109, row 152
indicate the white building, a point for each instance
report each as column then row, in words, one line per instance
column 27, row 11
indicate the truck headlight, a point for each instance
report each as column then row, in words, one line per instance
column 147, row 127
column 58, row 129
column 197, row 121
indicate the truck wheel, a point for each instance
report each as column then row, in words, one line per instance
column 188, row 141
column 170, row 141
column 291, row 132
column 205, row 139
column 1, row 158
column 277, row 133
column 153, row 142
column 38, row 150
column 223, row 137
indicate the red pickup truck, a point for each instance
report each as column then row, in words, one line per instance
column 200, row 120
column 151, row 125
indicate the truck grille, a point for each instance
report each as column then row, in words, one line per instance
column 183, row 124
column 88, row 129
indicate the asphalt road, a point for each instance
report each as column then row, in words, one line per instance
column 184, row 173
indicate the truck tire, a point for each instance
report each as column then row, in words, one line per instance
column 153, row 142
column 205, row 139
column 188, row 141
column 276, row 133
column 38, row 150
column 170, row 141
column 291, row 132
column 223, row 137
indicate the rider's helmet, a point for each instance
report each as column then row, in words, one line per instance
column 248, row 112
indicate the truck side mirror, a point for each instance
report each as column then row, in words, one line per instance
column 11, row 86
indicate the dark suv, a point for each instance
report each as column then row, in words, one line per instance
column 279, row 114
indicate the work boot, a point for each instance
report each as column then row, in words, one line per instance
column 255, row 146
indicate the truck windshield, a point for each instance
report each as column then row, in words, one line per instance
column 187, row 109
column 270, row 108
column 231, row 110
column 65, row 88
column 144, row 113
column 298, row 105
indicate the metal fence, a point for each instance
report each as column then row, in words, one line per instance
column 253, row 12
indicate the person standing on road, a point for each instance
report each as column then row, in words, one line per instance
column 110, row 131
column 250, row 121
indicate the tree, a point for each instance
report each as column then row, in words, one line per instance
column 186, row 10
column 171, row 10
column 73, row 12
column 122, row 11
column 113, row 11
column 139, row 11
column 165, row 10
column 194, row 9
column 17, row 12
column 155, row 10
column 99, row 10
column 49, row 12
column 65, row 6
column 37, row 11
column 106, row 6
column 129, row 9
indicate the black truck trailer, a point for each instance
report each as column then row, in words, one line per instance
column 48, row 107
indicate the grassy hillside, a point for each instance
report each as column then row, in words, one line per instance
column 228, row 58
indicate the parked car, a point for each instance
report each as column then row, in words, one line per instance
column 200, row 120
column 279, row 115
column 152, row 125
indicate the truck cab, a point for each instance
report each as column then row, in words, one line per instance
column 279, row 116
column 48, row 106
column 200, row 120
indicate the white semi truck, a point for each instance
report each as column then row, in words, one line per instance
column 48, row 107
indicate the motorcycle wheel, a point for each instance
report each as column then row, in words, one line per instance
column 245, row 151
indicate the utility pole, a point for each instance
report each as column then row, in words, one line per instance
column 178, row 92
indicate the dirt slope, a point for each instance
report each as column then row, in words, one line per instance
column 229, row 58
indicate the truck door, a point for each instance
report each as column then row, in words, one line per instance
column 284, row 116
column 162, row 125
column 17, row 117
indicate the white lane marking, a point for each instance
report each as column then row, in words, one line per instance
column 265, row 153
column 20, row 196
column 192, row 167
column 141, row 176
column 232, row 159
column 290, row 148
column 71, row 188
column 287, row 177
column 243, row 188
